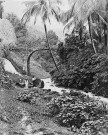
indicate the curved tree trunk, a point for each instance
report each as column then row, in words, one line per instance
column 49, row 46
column 90, row 32
column 28, row 60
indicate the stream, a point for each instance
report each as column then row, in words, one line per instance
column 50, row 85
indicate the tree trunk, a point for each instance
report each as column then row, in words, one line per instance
column 1, row 10
column 49, row 47
column 28, row 60
column 81, row 31
column 90, row 32
column 100, row 29
column 105, row 37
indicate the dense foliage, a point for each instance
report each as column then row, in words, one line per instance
column 36, row 95
column 78, row 112
column 80, row 67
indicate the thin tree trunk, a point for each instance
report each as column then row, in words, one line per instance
column 107, row 41
column 107, row 28
column 105, row 37
column 1, row 10
column 28, row 60
column 81, row 31
column 90, row 32
column 49, row 47
column 100, row 29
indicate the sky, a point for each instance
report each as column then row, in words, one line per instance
column 17, row 7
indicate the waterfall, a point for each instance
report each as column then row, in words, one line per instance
column 9, row 67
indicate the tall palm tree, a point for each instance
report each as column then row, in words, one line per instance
column 42, row 8
column 81, row 11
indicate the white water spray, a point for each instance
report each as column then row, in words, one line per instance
column 9, row 67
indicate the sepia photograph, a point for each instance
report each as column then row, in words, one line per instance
column 53, row 67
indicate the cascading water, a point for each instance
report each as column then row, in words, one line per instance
column 9, row 67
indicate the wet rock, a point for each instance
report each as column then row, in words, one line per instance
column 75, row 93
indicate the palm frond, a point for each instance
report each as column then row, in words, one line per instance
column 55, row 15
column 26, row 17
column 33, row 10
column 65, row 17
column 49, row 20
column 35, row 18
column 102, row 18
column 69, row 24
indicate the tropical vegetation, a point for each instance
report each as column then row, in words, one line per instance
column 80, row 63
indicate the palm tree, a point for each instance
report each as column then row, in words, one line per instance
column 81, row 11
column 42, row 8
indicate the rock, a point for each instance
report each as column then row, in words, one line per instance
column 74, row 93
column 47, row 90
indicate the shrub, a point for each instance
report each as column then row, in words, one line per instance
column 98, row 127
column 74, row 111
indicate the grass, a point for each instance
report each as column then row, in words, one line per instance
column 36, row 105
column 13, row 109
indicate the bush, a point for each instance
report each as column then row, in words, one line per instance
column 98, row 127
column 74, row 111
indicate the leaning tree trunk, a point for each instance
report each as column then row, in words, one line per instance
column 28, row 60
column 90, row 32
column 49, row 46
